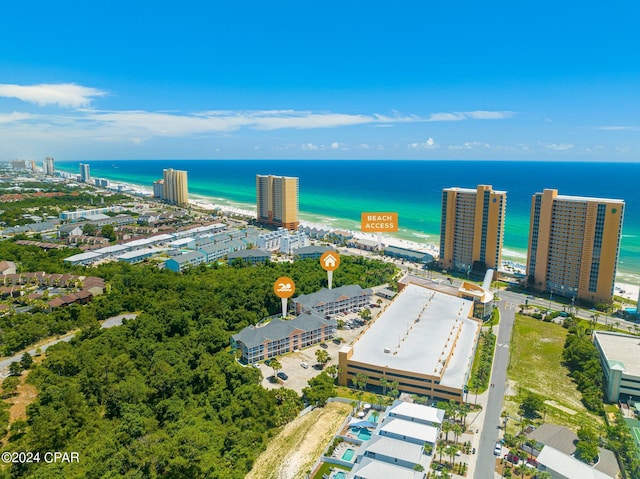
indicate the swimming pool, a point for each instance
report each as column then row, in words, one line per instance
column 340, row 475
column 348, row 454
column 364, row 434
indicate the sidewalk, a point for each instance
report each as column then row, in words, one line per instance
column 475, row 423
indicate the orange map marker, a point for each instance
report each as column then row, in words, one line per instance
column 284, row 288
column 330, row 260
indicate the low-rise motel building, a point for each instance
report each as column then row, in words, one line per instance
column 425, row 340
column 275, row 337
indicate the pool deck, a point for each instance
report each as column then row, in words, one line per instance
column 339, row 451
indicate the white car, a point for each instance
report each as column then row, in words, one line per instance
column 498, row 449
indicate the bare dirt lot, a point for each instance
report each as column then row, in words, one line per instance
column 300, row 443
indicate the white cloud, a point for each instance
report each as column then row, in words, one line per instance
column 61, row 94
column 618, row 128
column 558, row 146
column 470, row 145
column 309, row 147
column 470, row 115
column 363, row 146
column 335, row 145
column 14, row 117
column 430, row 144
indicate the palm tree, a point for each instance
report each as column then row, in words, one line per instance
column 446, row 428
column 384, row 383
column 464, row 411
column 360, row 383
column 452, row 450
column 522, row 469
column 543, row 475
column 276, row 366
column 457, row 430
column 322, row 357
column 441, row 446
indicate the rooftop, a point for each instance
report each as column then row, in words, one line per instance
column 417, row 334
column 568, row 466
column 408, row 429
column 253, row 336
column 620, row 348
column 325, row 295
column 372, row 469
column 418, row 411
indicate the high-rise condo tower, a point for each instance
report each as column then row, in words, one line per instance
column 472, row 228
column 277, row 201
column 574, row 244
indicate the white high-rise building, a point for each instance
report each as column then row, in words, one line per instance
column 85, row 175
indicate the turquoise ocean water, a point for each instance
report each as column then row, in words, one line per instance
column 336, row 192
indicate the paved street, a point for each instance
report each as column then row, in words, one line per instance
column 485, row 465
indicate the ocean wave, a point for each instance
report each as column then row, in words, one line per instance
column 513, row 254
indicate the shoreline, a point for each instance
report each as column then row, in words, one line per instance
column 511, row 257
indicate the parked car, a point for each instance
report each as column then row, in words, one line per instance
column 324, row 345
column 512, row 458
column 304, row 365
column 283, row 376
column 498, row 449
column 531, row 462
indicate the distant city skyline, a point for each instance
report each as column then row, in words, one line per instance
column 252, row 80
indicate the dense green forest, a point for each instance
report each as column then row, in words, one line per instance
column 162, row 395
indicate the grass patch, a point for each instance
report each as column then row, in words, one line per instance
column 535, row 364
column 485, row 350
column 325, row 468
column 294, row 450
column 495, row 318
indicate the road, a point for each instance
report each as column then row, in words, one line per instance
column 485, row 464
column 107, row 323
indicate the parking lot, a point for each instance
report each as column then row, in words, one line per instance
column 298, row 376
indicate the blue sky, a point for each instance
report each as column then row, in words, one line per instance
column 394, row 80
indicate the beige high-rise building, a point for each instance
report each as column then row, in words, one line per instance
column 574, row 243
column 277, row 201
column 175, row 189
column 472, row 228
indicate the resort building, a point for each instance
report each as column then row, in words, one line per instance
column 408, row 254
column 574, row 243
column 333, row 301
column 472, row 228
column 48, row 166
column 292, row 242
column 393, row 445
column 619, row 355
column 271, row 240
column 425, row 341
column 85, row 175
column 175, row 188
column 187, row 260
column 253, row 256
column 79, row 214
column 158, row 189
column 311, row 252
column 277, row 201
column 279, row 336
column 18, row 164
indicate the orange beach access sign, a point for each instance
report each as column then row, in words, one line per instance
column 379, row 222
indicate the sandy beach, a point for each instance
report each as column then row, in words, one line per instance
column 627, row 291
